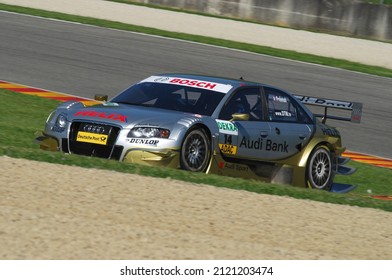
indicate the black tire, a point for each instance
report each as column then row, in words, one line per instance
column 319, row 169
column 195, row 151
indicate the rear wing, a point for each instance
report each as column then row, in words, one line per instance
column 354, row 107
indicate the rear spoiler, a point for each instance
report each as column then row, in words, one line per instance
column 354, row 107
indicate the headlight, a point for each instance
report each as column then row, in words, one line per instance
column 149, row 132
column 61, row 123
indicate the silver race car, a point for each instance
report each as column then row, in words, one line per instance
column 208, row 124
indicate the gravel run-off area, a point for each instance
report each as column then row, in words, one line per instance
column 51, row 211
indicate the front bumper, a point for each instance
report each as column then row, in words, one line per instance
column 46, row 142
column 167, row 157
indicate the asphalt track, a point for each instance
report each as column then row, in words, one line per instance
column 84, row 60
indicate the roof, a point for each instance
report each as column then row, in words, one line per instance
column 221, row 80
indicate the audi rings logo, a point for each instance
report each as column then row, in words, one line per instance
column 162, row 79
column 93, row 128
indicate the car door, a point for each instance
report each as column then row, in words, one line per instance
column 243, row 138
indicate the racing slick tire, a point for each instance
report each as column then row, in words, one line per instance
column 319, row 169
column 195, row 151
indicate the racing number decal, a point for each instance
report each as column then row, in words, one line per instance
column 228, row 139
column 227, row 147
column 227, row 129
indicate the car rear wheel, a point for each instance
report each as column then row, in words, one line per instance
column 319, row 171
column 195, row 151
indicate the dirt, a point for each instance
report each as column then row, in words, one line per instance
column 51, row 211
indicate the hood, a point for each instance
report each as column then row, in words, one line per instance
column 127, row 115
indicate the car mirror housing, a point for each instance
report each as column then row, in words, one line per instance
column 100, row 97
column 240, row 117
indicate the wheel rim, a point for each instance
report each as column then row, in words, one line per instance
column 195, row 152
column 320, row 169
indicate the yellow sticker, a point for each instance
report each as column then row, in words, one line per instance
column 228, row 149
column 88, row 137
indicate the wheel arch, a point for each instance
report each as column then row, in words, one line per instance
column 200, row 126
column 208, row 135
column 208, row 132
column 332, row 157
column 310, row 148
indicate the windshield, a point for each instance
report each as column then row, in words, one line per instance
column 172, row 97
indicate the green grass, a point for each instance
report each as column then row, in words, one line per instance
column 339, row 63
column 22, row 115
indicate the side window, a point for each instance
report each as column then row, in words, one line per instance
column 244, row 101
column 282, row 108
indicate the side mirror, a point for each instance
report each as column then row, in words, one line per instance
column 100, row 97
column 240, row 117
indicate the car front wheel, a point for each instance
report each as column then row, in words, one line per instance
column 195, row 151
column 319, row 171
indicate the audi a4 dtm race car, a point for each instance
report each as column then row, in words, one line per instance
column 208, row 124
